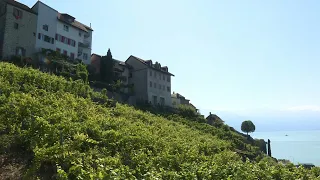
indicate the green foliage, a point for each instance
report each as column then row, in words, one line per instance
column 116, row 86
column 82, row 72
column 261, row 144
column 248, row 126
column 189, row 112
column 70, row 136
column 56, row 63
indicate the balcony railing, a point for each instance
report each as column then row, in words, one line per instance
column 86, row 35
column 85, row 44
column 86, row 41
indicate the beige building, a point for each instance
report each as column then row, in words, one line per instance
column 18, row 25
column 178, row 99
column 152, row 82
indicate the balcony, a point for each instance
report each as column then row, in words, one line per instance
column 123, row 78
column 79, row 53
column 86, row 35
column 86, row 41
column 85, row 44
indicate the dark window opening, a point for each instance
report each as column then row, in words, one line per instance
column 45, row 27
column 85, row 56
column 16, row 26
column 66, row 28
column 20, row 51
column 47, row 39
column 17, row 13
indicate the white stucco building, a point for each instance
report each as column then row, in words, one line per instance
column 62, row 33
column 152, row 82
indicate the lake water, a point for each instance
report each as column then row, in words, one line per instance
column 298, row 146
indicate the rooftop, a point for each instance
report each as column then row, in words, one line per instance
column 19, row 5
column 74, row 23
column 148, row 63
column 177, row 95
column 61, row 16
column 214, row 117
column 117, row 61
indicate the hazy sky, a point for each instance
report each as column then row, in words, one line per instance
column 229, row 55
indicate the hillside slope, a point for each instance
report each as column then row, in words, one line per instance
column 56, row 129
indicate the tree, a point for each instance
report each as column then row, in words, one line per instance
column 106, row 67
column 248, row 126
column 82, row 72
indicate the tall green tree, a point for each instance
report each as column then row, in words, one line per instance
column 106, row 67
column 248, row 126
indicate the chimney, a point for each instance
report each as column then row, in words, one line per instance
column 210, row 114
column 90, row 25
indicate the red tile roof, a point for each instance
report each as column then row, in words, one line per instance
column 75, row 23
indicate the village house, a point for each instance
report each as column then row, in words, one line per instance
column 152, row 82
column 178, row 99
column 17, row 29
column 61, row 32
column 25, row 31
column 213, row 119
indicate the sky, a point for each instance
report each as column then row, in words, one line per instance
column 236, row 56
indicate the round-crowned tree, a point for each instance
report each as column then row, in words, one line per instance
column 248, row 127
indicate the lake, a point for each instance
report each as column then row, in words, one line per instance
column 298, row 146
